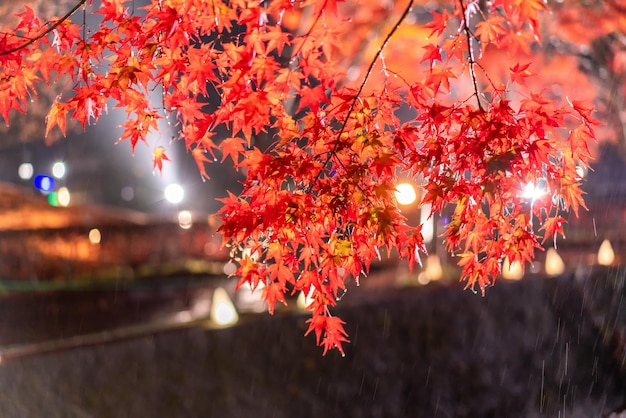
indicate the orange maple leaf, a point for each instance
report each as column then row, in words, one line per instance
column 158, row 157
column 232, row 147
column 57, row 116
column 199, row 156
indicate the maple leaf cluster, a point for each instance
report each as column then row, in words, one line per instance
column 318, row 205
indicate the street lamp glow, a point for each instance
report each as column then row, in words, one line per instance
column 58, row 169
column 405, row 194
column 174, row 193
column 532, row 192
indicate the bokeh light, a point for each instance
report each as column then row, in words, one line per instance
column 223, row 312
column 554, row 263
column 44, row 183
column 53, row 199
column 58, row 169
column 512, row 271
column 63, row 196
column 174, row 193
column 185, row 219
column 95, row 236
column 405, row 194
column 127, row 193
column 533, row 192
column 606, row 255
column 25, row 171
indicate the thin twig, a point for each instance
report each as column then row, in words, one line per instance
column 362, row 86
column 47, row 31
column 472, row 61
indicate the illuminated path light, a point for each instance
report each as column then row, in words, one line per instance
column 174, row 193
column 606, row 255
column 304, row 300
column 512, row 271
column 554, row 263
column 223, row 312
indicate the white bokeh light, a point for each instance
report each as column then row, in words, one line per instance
column 405, row 194
column 185, row 219
column 174, row 193
column 533, row 192
column 63, row 196
column 58, row 169
column 223, row 312
column 25, row 171
column 94, row 236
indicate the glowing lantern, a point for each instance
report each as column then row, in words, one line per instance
column 606, row 255
column 432, row 267
column 304, row 300
column 554, row 263
column 512, row 271
column 223, row 312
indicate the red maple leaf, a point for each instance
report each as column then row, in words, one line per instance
column 199, row 156
column 232, row 147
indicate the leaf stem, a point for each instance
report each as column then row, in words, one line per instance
column 47, row 31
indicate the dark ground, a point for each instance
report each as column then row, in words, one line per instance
column 539, row 347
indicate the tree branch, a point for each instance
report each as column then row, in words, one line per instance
column 47, row 31
column 472, row 61
column 368, row 73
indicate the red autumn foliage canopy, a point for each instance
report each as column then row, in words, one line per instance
column 351, row 95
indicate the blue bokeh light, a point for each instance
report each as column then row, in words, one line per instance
column 44, row 183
